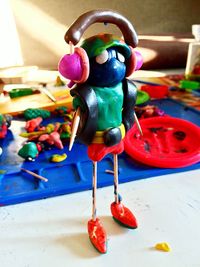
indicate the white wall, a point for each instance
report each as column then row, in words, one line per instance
column 41, row 24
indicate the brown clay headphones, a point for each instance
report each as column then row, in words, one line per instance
column 76, row 30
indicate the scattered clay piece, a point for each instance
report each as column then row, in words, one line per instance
column 163, row 247
column 58, row 158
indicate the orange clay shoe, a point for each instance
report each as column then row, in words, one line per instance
column 123, row 215
column 97, row 235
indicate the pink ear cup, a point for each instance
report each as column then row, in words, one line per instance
column 131, row 63
column 134, row 62
column 139, row 60
column 75, row 67
column 70, row 66
column 84, row 64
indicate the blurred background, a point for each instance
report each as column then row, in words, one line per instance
column 32, row 31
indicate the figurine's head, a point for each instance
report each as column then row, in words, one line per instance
column 102, row 60
column 107, row 59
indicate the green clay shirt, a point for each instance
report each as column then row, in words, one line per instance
column 110, row 102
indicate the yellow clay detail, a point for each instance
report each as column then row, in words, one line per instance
column 58, row 158
column 163, row 246
column 59, row 82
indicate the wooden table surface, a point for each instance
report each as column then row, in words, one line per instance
column 53, row 232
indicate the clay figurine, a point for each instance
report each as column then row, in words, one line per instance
column 104, row 101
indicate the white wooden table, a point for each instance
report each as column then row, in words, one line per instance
column 53, row 232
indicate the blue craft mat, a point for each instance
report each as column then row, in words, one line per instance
column 75, row 173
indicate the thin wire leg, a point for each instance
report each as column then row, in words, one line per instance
column 94, row 189
column 116, row 178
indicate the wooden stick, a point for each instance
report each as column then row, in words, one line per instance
column 138, row 124
column 71, row 48
column 109, row 171
column 75, row 125
column 35, row 175
column 94, row 190
column 116, row 182
column 48, row 93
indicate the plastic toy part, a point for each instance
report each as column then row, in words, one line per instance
column 189, row 85
column 166, row 142
column 163, row 247
column 155, row 91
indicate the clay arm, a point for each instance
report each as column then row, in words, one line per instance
column 130, row 95
column 86, row 99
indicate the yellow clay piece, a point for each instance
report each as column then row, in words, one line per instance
column 163, row 246
column 59, row 82
column 58, row 158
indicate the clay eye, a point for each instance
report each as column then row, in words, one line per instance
column 120, row 57
column 102, row 58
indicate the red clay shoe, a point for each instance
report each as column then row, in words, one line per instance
column 123, row 215
column 97, row 235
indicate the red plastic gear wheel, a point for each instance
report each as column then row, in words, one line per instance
column 167, row 142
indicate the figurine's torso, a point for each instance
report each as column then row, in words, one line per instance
column 104, row 108
column 109, row 101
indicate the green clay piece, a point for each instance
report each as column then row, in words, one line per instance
column 189, row 85
column 17, row 92
column 28, row 150
column 95, row 45
column 103, row 94
column 142, row 97
column 1, row 119
column 64, row 135
column 32, row 113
